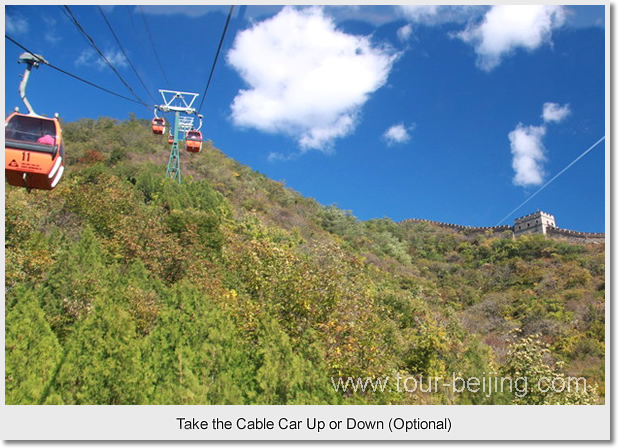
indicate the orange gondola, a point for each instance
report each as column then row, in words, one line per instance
column 193, row 141
column 33, row 151
column 158, row 126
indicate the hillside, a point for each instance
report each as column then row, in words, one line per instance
column 123, row 287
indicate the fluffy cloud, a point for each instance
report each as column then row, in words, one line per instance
column 85, row 58
column 527, row 146
column 397, row 134
column 90, row 58
column 52, row 37
column 404, row 33
column 191, row 11
column 116, row 58
column 419, row 13
column 51, row 34
column 528, row 154
column 508, row 27
column 306, row 79
column 16, row 24
column 554, row 112
column 439, row 14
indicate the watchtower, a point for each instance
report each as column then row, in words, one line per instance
column 537, row 222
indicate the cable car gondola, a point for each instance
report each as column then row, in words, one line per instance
column 33, row 151
column 158, row 126
column 193, row 141
column 170, row 140
column 33, row 146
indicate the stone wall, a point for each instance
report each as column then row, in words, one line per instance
column 554, row 232
column 576, row 237
column 466, row 229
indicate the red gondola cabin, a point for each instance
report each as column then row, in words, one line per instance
column 158, row 126
column 193, row 141
column 33, row 151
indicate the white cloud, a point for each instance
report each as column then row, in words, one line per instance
column 528, row 154
column 278, row 156
column 16, row 24
column 306, row 79
column 51, row 34
column 508, row 27
column 52, row 37
column 554, row 112
column 527, row 146
column 397, row 134
column 85, row 58
column 404, row 33
column 116, row 58
column 192, row 11
column 376, row 15
column 440, row 14
column 247, row 12
column 419, row 13
column 90, row 58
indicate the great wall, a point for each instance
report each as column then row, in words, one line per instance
column 538, row 222
column 576, row 237
column 465, row 229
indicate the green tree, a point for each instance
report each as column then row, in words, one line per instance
column 194, row 355
column 283, row 375
column 103, row 362
column 75, row 280
column 527, row 364
column 31, row 351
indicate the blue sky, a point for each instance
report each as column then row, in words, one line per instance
column 453, row 113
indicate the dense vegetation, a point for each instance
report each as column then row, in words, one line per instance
column 123, row 287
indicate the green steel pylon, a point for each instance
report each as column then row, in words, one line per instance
column 178, row 102
column 173, row 166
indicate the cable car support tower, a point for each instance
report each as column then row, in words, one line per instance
column 181, row 104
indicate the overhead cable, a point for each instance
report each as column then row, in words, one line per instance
column 214, row 64
column 125, row 53
column 154, row 48
column 75, row 76
column 553, row 179
column 100, row 53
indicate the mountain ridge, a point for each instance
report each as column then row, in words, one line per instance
column 231, row 288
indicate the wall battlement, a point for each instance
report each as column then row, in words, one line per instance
column 462, row 228
column 574, row 236
column 548, row 230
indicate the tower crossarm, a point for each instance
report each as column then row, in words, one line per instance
column 184, row 110
column 176, row 101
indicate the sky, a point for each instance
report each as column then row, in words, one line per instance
column 456, row 114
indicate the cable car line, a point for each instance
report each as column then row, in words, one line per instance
column 125, row 54
column 96, row 48
column 212, row 70
column 138, row 39
column 553, row 179
column 154, row 48
column 137, row 35
column 75, row 76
